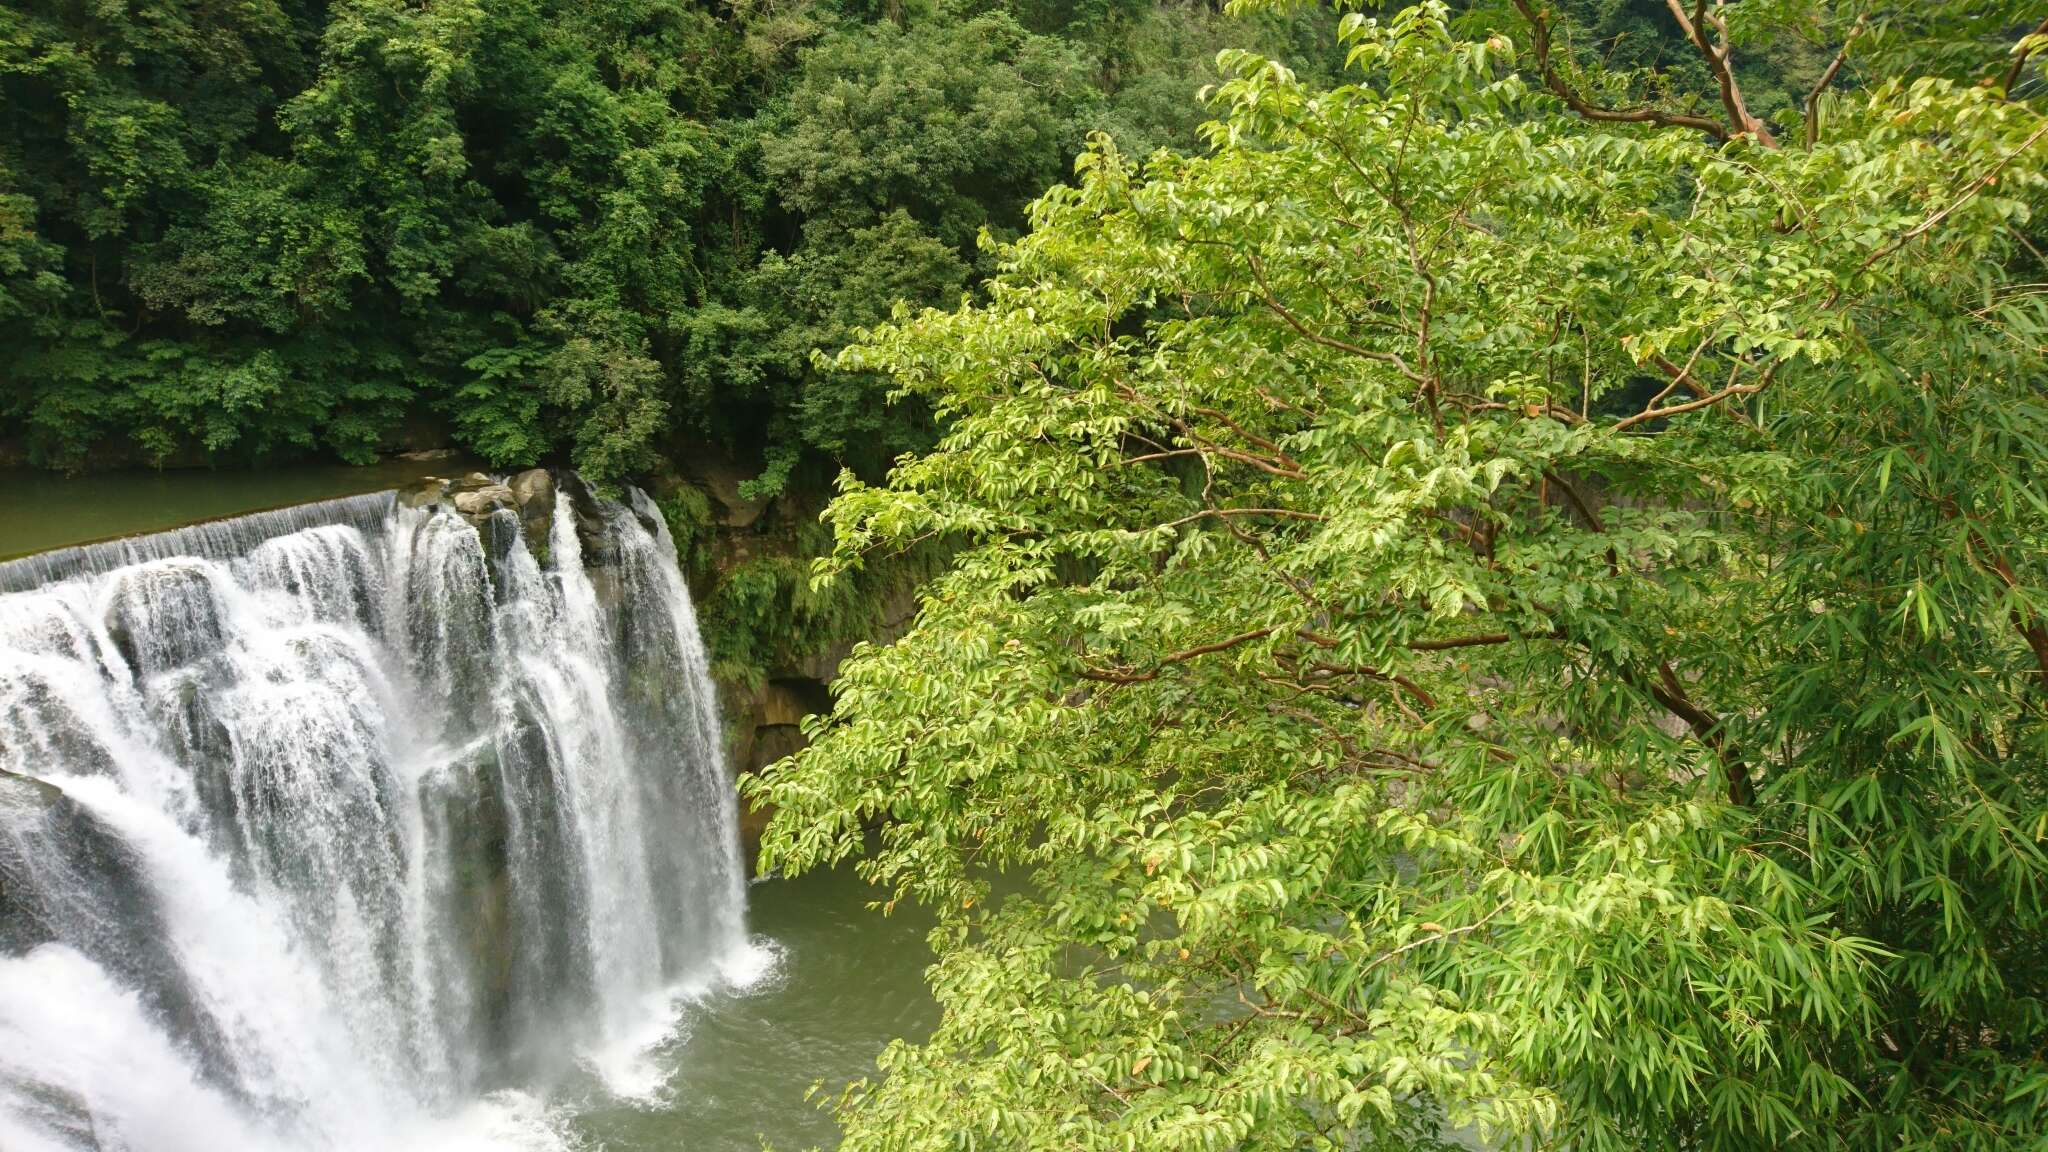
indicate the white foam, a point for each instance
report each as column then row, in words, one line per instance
column 78, row 1052
column 627, row 1064
column 294, row 738
column 73, row 1041
column 501, row 1122
column 752, row 964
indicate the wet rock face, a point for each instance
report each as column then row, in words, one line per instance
column 480, row 502
column 530, row 496
column 163, row 616
column 425, row 494
column 721, row 478
column 533, row 487
column 533, row 493
column 767, row 721
column 63, row 742
column 590, row 522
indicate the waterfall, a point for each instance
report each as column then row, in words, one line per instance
column 350, row 826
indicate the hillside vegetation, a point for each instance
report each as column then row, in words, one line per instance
column 1502, row 597
column 1484, row 579
column 243, row 232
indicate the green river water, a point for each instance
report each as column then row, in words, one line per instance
column 42, row 510
column 734, row 1072
column 737, row 1069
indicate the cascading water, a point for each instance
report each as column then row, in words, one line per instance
column 338, row 827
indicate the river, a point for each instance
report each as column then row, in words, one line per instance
column 737, row 1068
column 43, row 510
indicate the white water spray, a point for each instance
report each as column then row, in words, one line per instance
column 351, row 826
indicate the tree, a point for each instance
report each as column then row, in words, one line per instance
column 1499, row 596
column 240, row 233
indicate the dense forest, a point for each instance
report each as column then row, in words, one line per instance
column 1486, row 562
column 241, row 233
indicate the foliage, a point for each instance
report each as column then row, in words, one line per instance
column 692, row 525
column 765, row 615
column 1493, row 597
column 236, row 233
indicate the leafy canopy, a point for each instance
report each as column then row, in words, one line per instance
column 1503, row 596
column 542, row 229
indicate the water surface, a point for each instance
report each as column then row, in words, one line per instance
column 734, row 1072
column 44, row 510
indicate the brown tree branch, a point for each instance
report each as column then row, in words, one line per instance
column 1479, row 641
column 1695, row 29
column 1108, row 676
column 1579, row 502
column 1539, row 44
column 1552, row 409
column 1977, row 185
column 2019, row 60
column 1259, row 462
column 1221, row 513
column 1827, row 77
column 1707, row 401
column 1441, row 934
column 1413, row 689
column 1668, row 691
column 1279, row 455
column 1314, row 337
column 1681, row 375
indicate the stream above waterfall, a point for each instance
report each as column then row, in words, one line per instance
column 44, row 510
column 356, row 825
